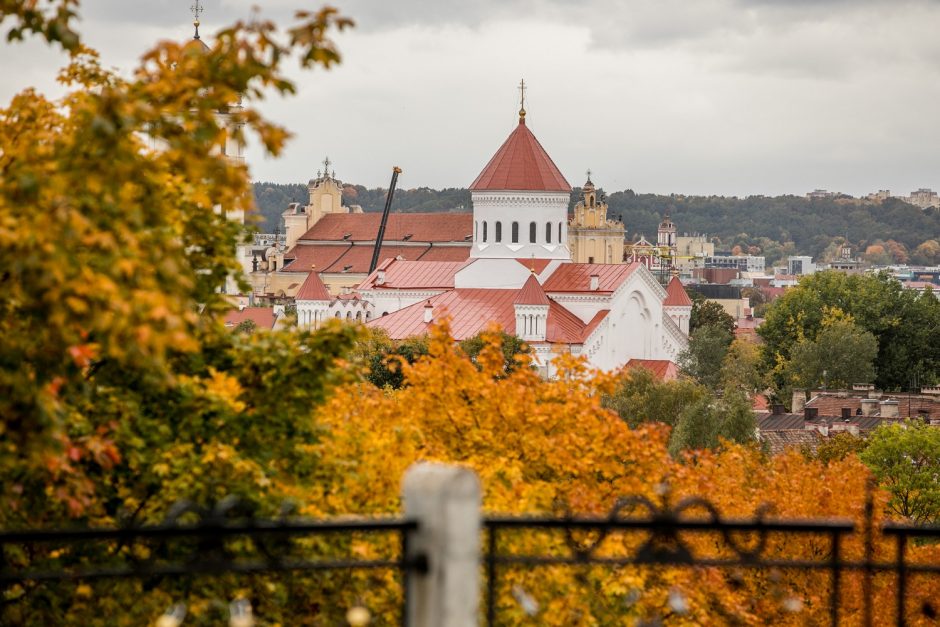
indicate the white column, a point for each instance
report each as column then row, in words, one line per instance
column 446, row 502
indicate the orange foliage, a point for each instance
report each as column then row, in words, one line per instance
column 549, row 447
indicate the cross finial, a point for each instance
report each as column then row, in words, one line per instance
column 589, row 175
column 326, row 166
column 197, row 11
column 522, row 101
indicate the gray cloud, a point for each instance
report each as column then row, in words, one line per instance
column 703, row 96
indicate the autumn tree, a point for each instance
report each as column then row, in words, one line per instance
column 839, row 446
column 740, row 369
column 120, row 391
column 550, row 447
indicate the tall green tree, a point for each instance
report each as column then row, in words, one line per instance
column 841, row 354
column 698, row 417
column 903, row 322
column 703, row 358
column 905, row 458
column 708, row 313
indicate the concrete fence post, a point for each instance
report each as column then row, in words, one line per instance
column 446, row 503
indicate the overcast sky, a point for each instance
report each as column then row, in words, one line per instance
column 729, row 97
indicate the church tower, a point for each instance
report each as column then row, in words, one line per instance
column 592, row 237
column 520, row 201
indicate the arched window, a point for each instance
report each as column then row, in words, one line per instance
column 484, row 231
column 532, row 233
column 499, row 232
column 548, row 232
column 515, row 232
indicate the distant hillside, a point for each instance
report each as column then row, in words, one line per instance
column 771, row 226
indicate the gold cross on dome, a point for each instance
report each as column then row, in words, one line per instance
column 522, row 94
column 197, row 11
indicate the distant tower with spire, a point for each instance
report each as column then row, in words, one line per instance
column 591, row 236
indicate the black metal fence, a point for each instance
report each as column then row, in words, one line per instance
column 661, row 539
column 737, row 544
column 192, row 541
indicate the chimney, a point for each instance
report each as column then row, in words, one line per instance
column 428, row 312
column 810, row 413
column 380, row 277
column 869, row 406
column 846, row 413
column 889, row 409
column 799, row 401
column 777, row 409
column 595, row 282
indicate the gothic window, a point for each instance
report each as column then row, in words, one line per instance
column 532, row 229
column 484, row 230
column 515, row 232
column 499, row 231
column 548, row 232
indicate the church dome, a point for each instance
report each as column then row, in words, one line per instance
column 521, row 164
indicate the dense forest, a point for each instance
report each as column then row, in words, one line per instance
column 773, row 226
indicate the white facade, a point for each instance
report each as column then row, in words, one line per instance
column 520, row 225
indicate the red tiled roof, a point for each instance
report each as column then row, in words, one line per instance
column 470, row 310
column 675, row 294
column 576, row 277
column 357, row 258
column 531, row 293
column 662, row 369
column 535, row 264
column 415, row 275
column 364, row 227
column 313, row 289
column 521, row 164
column 305, row 256
column 473, row 310
column 447, row 253
column 263, row 317
column 566, row 328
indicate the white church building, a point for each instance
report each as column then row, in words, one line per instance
column 519, row 276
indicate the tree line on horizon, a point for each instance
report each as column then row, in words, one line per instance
column 773, row 226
